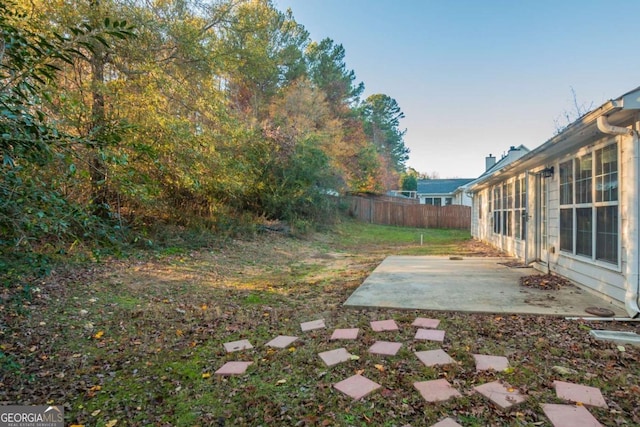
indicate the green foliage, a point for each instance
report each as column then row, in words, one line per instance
column 382, row 115
column 409, row 181
column 213, row 115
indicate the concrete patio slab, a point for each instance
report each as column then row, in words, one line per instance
column 472, row 284
column 384, row 325
column 385, row 348
column 312, row 325
column 569, row 416
column 485, row 362
column 232, row 346
column 281, row 341
column 430, row 335
column 436, row 390
column 333, row 357
column 345, row 334
column 501, row 394
column 590, row 396
column 434, row 357
column 447, row 422
column 357, row 386
column 233, row 368
column 422, row 322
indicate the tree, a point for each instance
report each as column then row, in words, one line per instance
column 328, row 71
column 409, row 180
column 34, row 210
column 265, row 52
column 578, row 110
column 382, row 115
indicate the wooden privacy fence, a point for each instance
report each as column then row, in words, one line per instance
column 405, row 213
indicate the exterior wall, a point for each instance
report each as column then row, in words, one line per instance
column 605, row 279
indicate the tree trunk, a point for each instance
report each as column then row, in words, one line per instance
column 99, row 175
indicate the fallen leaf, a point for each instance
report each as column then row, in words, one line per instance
column 111, row 423
column 379, row 367
column 203, row 307
column 76, row 425
column 179, row 332
column 360, row 371
column 95, row 413
column 282, row 381
column 354, row 357
column 98, row 335
column 206, row 375
column 621, row 348
column 292, row 349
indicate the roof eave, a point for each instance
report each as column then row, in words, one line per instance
column 574, row 133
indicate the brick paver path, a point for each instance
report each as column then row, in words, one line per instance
column 501, row 394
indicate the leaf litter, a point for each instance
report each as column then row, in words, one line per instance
column 158, row 325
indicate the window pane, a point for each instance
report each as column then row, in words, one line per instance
column 584, row 231
column 607, row 234
column 437, row 201
column 517, row 204
column 504, row 196
column 566, row 183
column 607, row 174
column 496, row 222
column 584, row 172
column 505, row 222
column 566, row 230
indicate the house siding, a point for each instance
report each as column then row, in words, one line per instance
column 605, row 279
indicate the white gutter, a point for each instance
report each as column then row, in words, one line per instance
column 632, row 266
column 605, row 127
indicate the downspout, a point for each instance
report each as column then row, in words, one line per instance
column 525, row 217
column 632, row 268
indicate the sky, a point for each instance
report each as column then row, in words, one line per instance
column 474, row 77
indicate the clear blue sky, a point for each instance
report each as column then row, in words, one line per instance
column 474, row 77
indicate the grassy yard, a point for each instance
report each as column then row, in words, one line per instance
column 136, row 342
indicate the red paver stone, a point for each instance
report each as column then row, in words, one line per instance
column 333, row 357
column 385, row 348
column 423, row 322
column 569, row 416
column 237, row 346
column 503, row 395
column 430, row 335
column 384, row 325
column 586, row 395
column 447, row 422
column 345, row 334
column 233, row 368
column 314, row 324
column 436, row 390
column 281, row 341
column 356, row 386
column 485, row 362
column 434, row 357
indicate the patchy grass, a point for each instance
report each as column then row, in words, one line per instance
column 138, row 341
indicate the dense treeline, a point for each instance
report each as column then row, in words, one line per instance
column 117, row 114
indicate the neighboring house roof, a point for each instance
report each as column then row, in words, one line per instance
column 441, row 186
column 582, row 131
